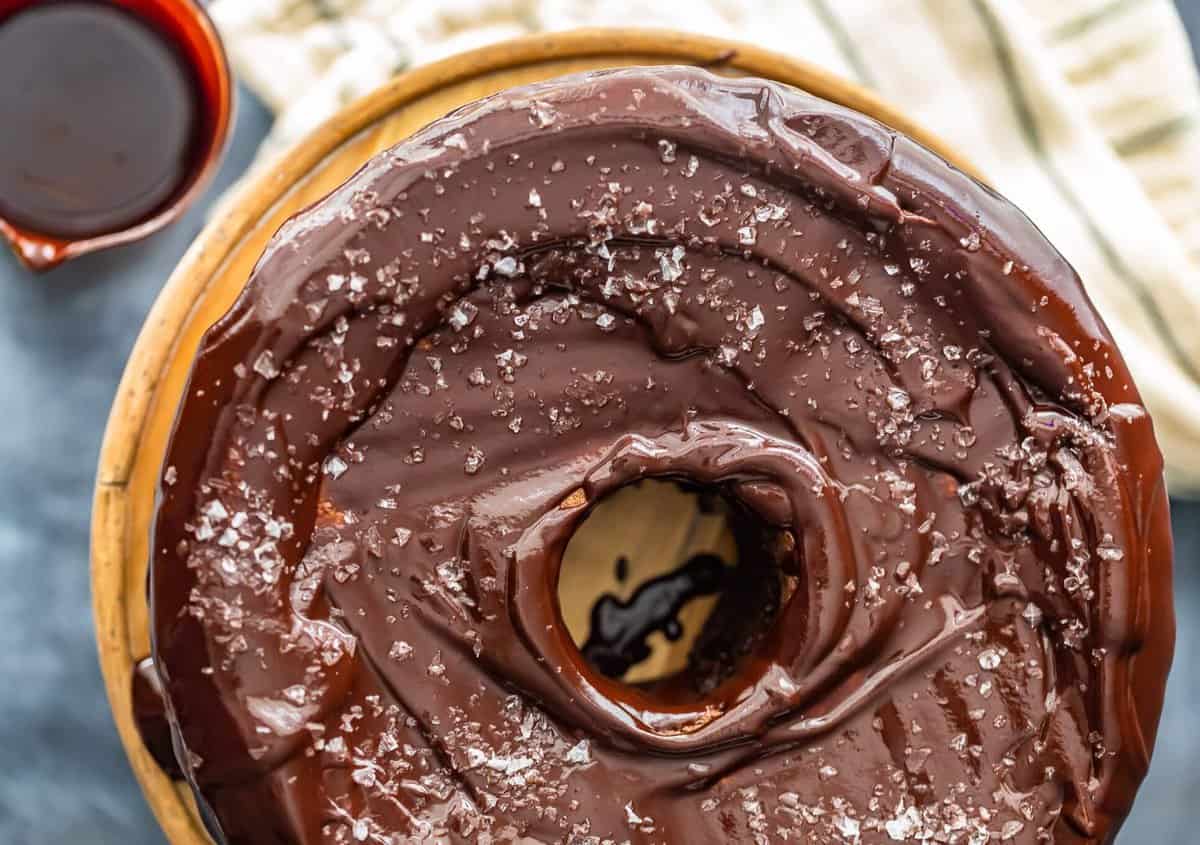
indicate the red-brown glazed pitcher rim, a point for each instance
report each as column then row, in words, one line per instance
column 187, row 26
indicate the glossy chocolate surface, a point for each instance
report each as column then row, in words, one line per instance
column 150, row 715
column 102, row 119
column 388, row 441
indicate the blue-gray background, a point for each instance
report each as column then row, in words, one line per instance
column 64, row 338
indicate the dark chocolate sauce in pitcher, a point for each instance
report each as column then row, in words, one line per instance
column 100, row 119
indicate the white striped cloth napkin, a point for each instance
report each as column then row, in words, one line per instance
column 1085, row 113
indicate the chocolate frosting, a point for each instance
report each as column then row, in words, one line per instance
column 433, row 374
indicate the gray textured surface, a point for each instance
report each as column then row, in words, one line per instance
column 64, row 338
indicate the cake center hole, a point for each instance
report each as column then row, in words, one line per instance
column 668, row 584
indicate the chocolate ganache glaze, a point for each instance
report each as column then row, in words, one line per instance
column 434, row 373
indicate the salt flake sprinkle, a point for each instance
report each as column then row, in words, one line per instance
column 265, row 366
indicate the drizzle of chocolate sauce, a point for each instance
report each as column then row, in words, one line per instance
column 150, row 716
column 617, row 639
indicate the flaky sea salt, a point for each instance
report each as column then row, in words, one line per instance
column 580, row 753
column 904, row 826
column 507, row 266
column 898, row 399
column 1032, row 614
column 756, row 320
column 1108, row 550
column 989, row 659
column 1010, row 830
column 463, row 314
column 671, row 264
column 335, row 467
column 474, row 460
column 542, row 114
column 264, row 365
